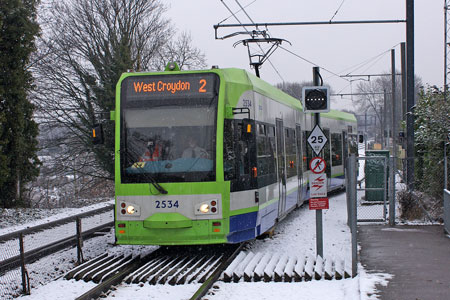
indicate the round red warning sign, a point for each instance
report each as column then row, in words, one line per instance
column 317, row 165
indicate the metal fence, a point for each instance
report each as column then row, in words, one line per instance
column 447, row 211
column 20, row 251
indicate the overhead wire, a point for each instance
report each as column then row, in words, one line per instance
column 245, row 12
column 242, row 8
column 251, row 20
column 237, row 12
column 312, row 63
column 337, row 10
column 358, row 66
column 237, row 19
column 353, row 68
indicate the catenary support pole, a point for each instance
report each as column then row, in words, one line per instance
column 410, row 94
column 404, row 110
column 394, row 142
column 385, row 123
column 446, row 49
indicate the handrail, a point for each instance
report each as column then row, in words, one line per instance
column 15, row 234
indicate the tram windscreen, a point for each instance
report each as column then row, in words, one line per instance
column 168, row 128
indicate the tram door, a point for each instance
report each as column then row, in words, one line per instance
column 281, row 161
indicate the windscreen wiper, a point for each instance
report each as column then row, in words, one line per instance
column 153, row 181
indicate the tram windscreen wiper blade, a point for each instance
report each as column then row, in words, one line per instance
column 156, row 184
column 153, row 181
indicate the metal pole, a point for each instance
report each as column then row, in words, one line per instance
column 410, row 93
column 267, row 24
column 445, row 85
column 385, row 122
column 392, row 192
column 352, row 200
column 375, row 130
column 403, row 105
column 365, row 131
column 394, row 143
column 445, row 166
column 22, row 264
column 445, row 47
column 319, row 222
column 403, row 63
column 79, row 242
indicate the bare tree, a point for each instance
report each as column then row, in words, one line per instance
column 182, row 52
column 293, row 88
column 85, row 47
column 374, row 94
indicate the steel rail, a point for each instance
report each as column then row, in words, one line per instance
column 204, row 288
column 33, row 255
column 118, row 277
column 15, row 234
column 136, row 263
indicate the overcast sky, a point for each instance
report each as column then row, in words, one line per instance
column 338, row 48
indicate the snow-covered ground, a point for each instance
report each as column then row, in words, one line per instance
column 294, row 236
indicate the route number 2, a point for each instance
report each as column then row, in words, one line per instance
column 202, row 89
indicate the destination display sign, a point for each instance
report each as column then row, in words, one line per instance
column 149, row 87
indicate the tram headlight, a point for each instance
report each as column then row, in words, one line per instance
column 204, row 208
column 209, row 207
column 131, row 210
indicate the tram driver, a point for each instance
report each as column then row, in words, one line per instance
column 193, row 150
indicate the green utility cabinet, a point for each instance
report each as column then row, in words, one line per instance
column 376, row 177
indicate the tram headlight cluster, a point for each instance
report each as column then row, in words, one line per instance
column 207, row 207
column 129, row 209
column 204, row 208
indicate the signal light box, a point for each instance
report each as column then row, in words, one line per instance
column 316, row 99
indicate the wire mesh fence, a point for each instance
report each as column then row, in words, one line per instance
column 20, row 268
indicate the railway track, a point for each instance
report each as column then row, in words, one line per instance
column 9, row 243
column 185, row 265
column 167, row 265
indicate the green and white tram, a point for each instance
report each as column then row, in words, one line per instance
column 213, row 156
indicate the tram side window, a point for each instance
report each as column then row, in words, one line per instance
column 242, row 150
column 291, row 156
column 336, row 149
column 229, row 155
column 265, row 144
